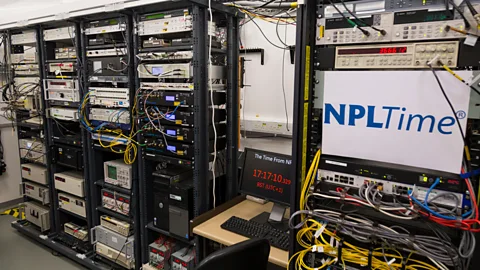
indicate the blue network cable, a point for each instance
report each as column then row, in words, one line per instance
column 425, row 206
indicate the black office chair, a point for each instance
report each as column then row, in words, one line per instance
column 251, row 254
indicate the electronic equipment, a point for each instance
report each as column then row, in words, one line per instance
column 26, row 69
column 100, row 234
column 183, row 259
column 105, row 26
column 69, row 156
column 266, row 175
column 66, row 133
column 34, row 172
column 63, row 113
column 79, row 232
column 178, row 148
column 62, row 90
column 59, row 33
column 72, row 204
column 165, row 26
column 117, row 173
column 115, row 225
column 109, row 79
column 160, row 253
column 396, row 56
column 37, row 214
column 37, row 120
column 167, row 86
column 116, row 202
column 180, row 98
column 340, row 31
column 110, row 97
column 33, row 102
column 424, row 24
column 184, row 134
column 37, row 192
column 108, row 66
column 32, row 150
column 165, row 14
column 109, row 138
column 172, row 175
column 65, row 53
column 58, row 68
column 115, row 256
column 107, row 52
column 153, row 43
column 176, row 71
column 71, row 182
column 165, row 71
column 161, row 192
column 396, row 179
column 28, row 55
column 186, row 117
column 189, row 41
column 26, row 37
column 179, row 55
column 74, row 243
column 180, row 208
column 103, row 40
column 120, row 116
column 252, row 229
column 24, row 83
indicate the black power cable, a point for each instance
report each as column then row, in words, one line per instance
column 365, row 32
column 467, row 24
column 448, row 101
column 381, row 31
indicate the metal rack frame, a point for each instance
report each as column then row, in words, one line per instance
column 49, row 239
column 201, row 178
column 95, row 153
column 302, row 104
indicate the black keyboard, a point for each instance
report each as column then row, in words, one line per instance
column 252, row 229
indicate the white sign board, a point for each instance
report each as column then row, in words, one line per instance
column 398, row 117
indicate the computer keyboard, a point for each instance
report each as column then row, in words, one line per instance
column 252, row 229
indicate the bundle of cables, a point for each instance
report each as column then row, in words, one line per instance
column 130, row 151
column 439, row 250
column 154, row 116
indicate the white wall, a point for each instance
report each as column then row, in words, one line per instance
column 9, row 181
column 263, row 102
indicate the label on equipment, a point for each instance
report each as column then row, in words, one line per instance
column 175, row 197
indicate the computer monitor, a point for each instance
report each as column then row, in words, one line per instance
column 267, row 175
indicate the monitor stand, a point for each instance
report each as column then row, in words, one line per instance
column 274, row 219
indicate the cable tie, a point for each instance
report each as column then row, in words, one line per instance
column 391, row 261
column 314, row 248
column 320, row 230
column 458, row 221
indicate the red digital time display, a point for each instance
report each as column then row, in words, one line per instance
column 272, row 180
column 379, row 50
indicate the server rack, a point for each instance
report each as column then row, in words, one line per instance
column 201, row 160
column 98, row 154
column 57, row 217
column 35, row 131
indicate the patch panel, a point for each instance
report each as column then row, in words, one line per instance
column 389, row 187
column 109, row 138
column 107, row 52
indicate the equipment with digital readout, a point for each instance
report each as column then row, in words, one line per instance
column 71, row 182
column 72, row 204
column 36, row 173
column 118, row 173
column 267, row 175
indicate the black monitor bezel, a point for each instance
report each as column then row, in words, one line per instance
column 245, row 151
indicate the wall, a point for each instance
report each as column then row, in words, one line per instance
column 263, row 105
column 9, row 182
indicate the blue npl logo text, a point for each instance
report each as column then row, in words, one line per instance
column 386, row 117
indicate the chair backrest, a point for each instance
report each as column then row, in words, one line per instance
column 251, row 254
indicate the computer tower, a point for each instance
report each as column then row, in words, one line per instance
column 161, row 191
column 181, row 208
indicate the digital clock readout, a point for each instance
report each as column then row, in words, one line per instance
column 380, row 50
